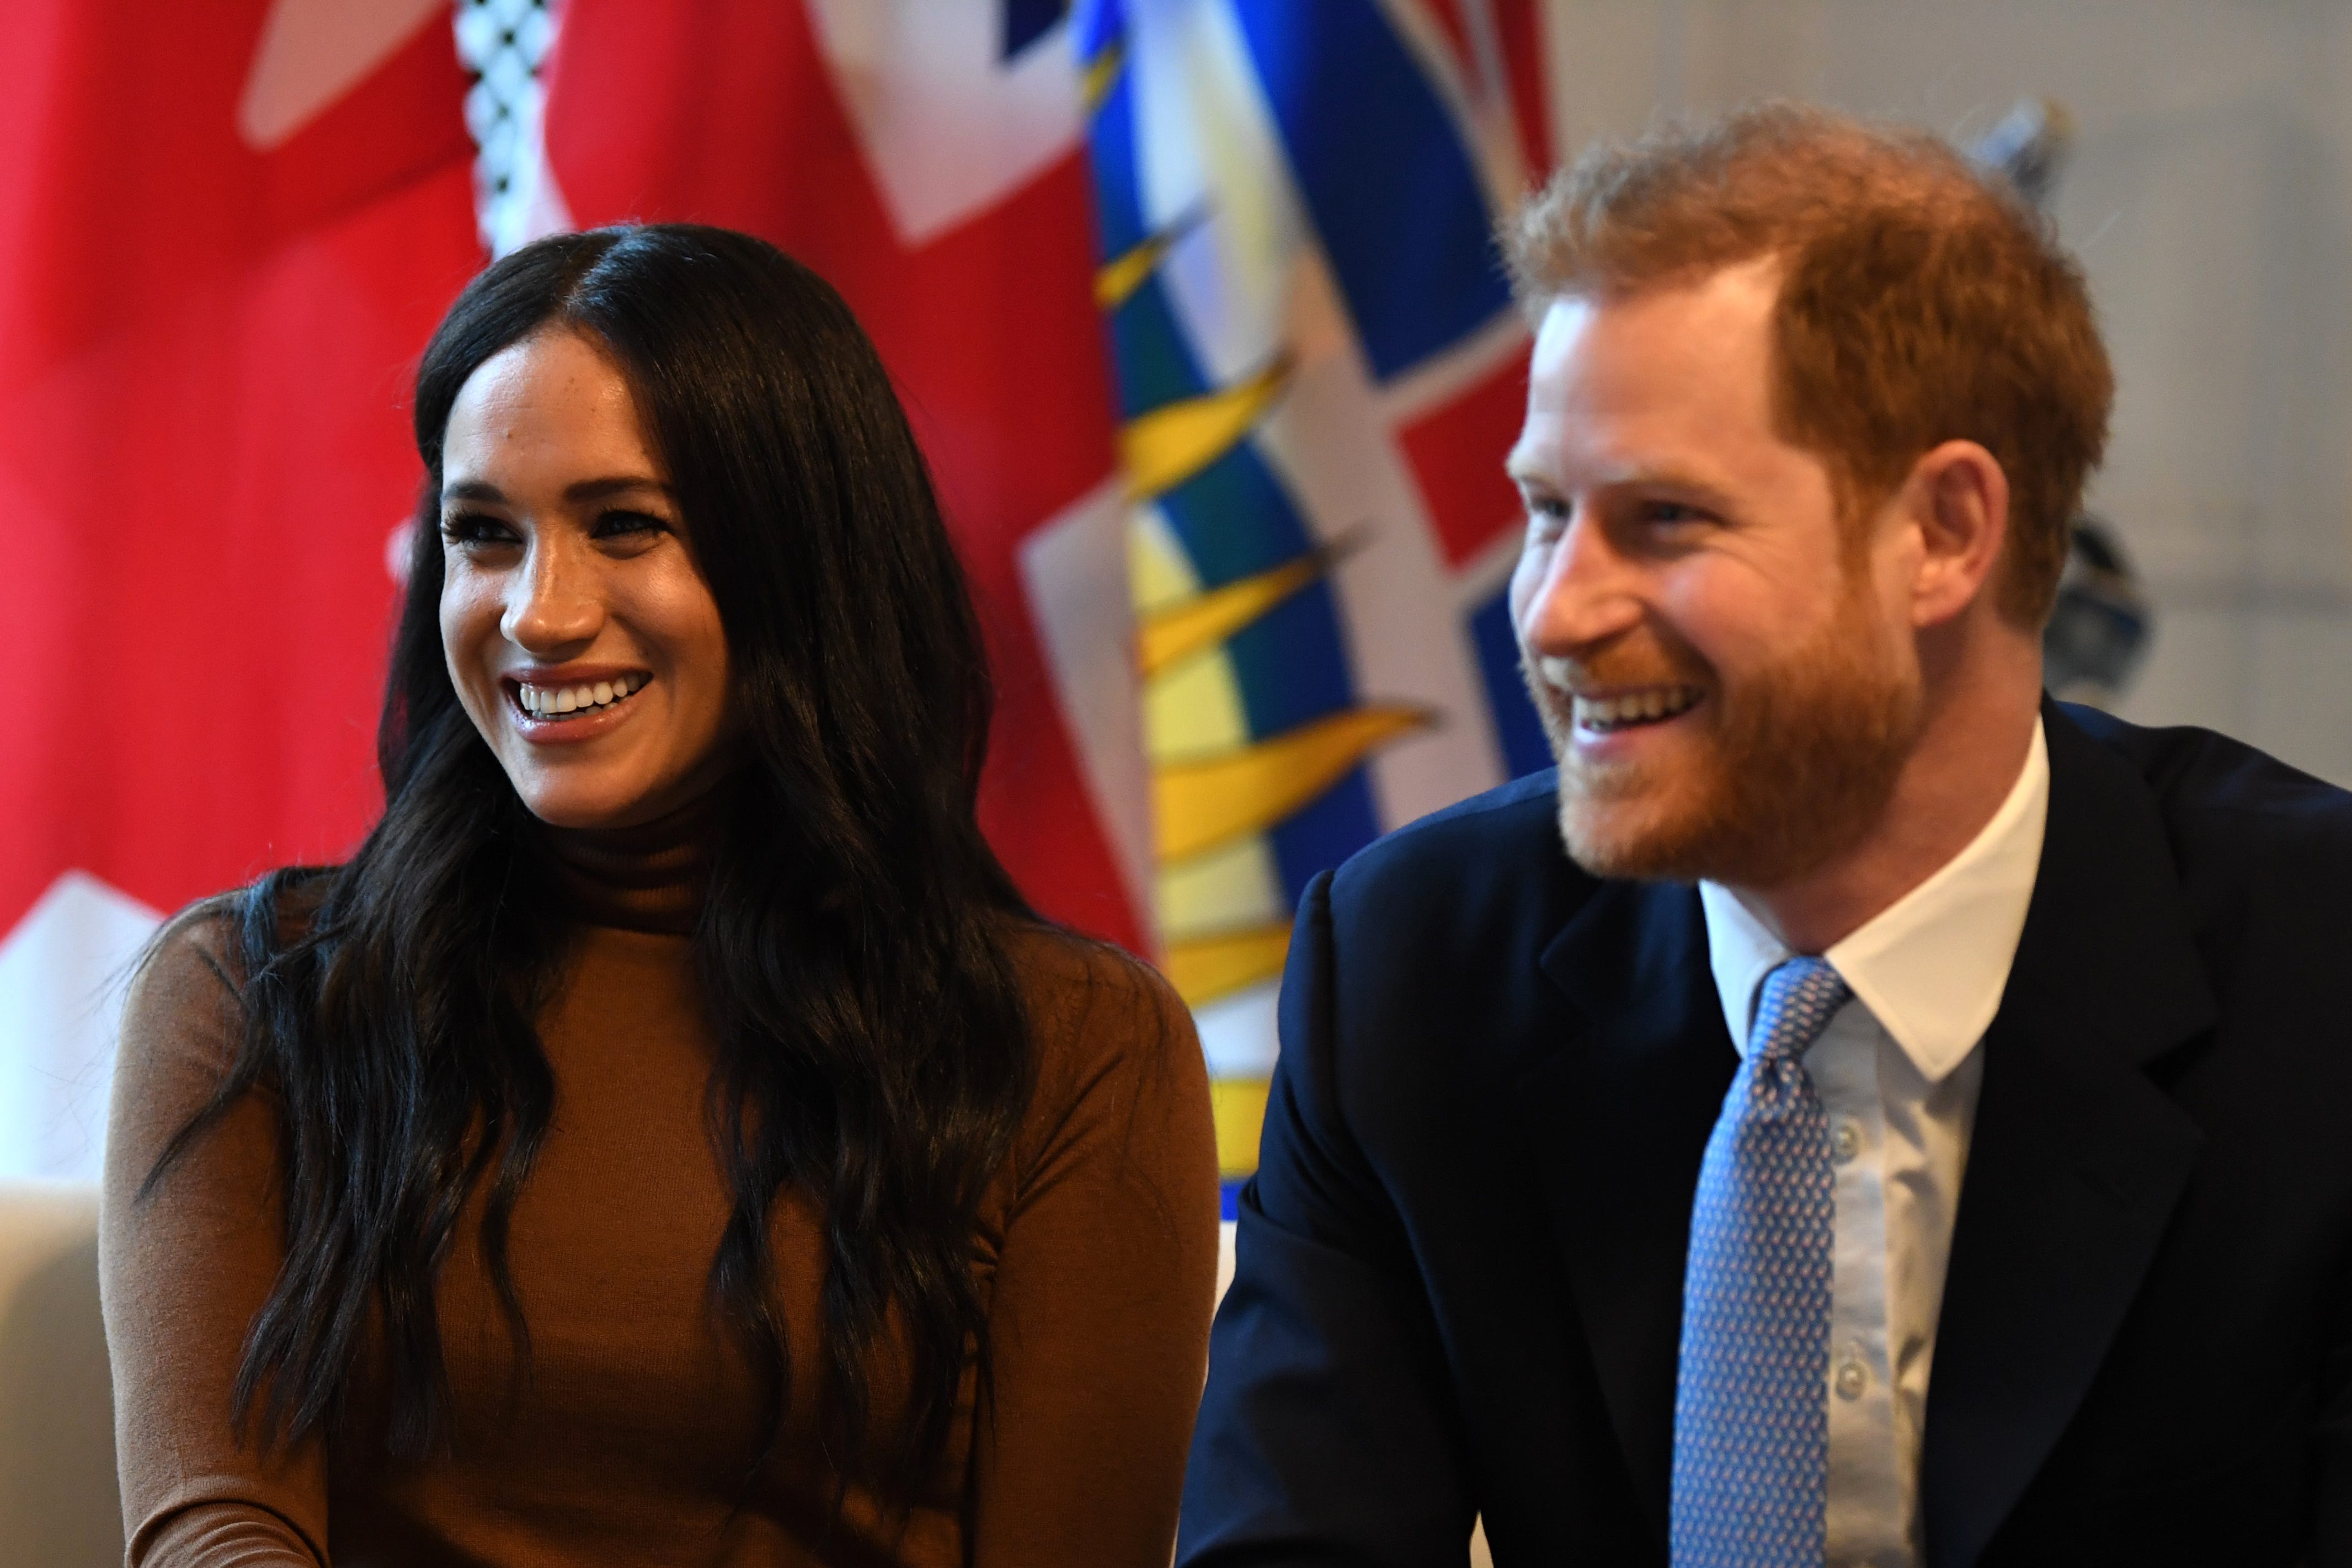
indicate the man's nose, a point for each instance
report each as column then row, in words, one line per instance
column 1587, row 595
column 554, row 604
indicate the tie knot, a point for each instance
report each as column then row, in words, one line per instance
column 1798, row 998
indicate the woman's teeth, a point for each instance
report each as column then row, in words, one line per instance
column 554, row 701
column 1628, row 708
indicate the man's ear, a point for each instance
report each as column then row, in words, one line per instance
column 1958, row 499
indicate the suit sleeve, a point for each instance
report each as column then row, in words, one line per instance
column 2331, row 1544
column 182, row 1268
column 1328, row 1433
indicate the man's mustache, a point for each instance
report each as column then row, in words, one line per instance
column 1567, row 677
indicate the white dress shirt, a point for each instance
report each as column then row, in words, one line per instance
column 1898, row 1069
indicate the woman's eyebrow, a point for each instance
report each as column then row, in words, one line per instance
column 604, row 489
column 577, row 493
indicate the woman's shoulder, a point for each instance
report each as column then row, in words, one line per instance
column 185, row 995
column 1121, row 1088
column 1097, row 1015
column 183, row 1024
column 1088, row 995
column 186, row 964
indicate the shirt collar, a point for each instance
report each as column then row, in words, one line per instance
column 1930, row 966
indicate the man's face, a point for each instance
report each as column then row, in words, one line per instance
column 1725, row 671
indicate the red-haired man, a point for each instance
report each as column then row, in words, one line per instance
column 1854, row 1110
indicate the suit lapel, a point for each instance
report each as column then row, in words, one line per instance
column 2076, row 1159
column 1617, row 1118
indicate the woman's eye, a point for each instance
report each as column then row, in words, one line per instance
column 625, row 524
column 473, row 527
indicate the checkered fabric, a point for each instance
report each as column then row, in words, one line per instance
column 1752, row 1392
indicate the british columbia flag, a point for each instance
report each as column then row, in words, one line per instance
column 1319, row 368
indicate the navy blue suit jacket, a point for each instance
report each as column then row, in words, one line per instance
column 1461, row 1260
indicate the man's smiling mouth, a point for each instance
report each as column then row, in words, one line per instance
column 1626, row 710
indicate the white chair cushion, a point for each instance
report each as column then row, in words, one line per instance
column 59, row 1506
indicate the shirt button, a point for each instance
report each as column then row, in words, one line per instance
column 1852, row 1377
column 1846, row 1139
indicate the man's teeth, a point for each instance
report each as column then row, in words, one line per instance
column 1630, row 708
column 554, row 702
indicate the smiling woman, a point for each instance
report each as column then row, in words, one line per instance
column 562, row 596
column 670, row 1137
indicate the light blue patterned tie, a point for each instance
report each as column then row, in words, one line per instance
column 1752, row 1392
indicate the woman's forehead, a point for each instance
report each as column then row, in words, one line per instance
column 553, row 401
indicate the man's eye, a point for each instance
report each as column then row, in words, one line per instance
column 1670, row 513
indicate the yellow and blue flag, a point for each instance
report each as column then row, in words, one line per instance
column 1319, row 369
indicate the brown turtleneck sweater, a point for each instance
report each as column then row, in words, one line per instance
column 631, row 1438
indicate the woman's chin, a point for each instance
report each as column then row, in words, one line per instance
column 614, row 805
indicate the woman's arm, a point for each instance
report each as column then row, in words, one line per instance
column 1104, row 1286
column 182, row 1273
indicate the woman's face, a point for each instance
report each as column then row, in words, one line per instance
column 580, row 632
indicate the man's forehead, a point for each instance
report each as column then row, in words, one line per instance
column 1624, row 386
column 1737, row 297
column 1565, row 323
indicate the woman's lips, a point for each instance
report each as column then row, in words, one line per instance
column 573, row 710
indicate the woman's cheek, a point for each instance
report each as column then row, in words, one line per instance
column 469, row 623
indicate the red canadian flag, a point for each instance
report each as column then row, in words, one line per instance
column 226, row 231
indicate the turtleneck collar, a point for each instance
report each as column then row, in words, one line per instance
column 648, row 878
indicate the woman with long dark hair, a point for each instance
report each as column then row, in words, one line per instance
column 669, row 1137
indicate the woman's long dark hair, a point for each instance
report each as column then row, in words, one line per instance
column 872, row 1047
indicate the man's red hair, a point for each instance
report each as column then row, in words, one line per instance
column 1921, row 300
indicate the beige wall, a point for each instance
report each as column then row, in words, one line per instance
column 2208, row 198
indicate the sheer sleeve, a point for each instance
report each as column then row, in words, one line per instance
column 1105, row 1278
column 181, row 1272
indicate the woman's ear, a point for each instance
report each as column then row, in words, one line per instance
column 1958, row 500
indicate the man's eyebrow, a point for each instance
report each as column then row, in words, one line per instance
column 1529, row 474
column 1522, row 470
column 1670, row 478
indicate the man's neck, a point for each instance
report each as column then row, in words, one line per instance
column 1969, row 758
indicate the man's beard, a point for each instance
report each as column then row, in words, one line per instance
column 1798, row 763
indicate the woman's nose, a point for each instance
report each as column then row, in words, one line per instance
column 554, row 604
